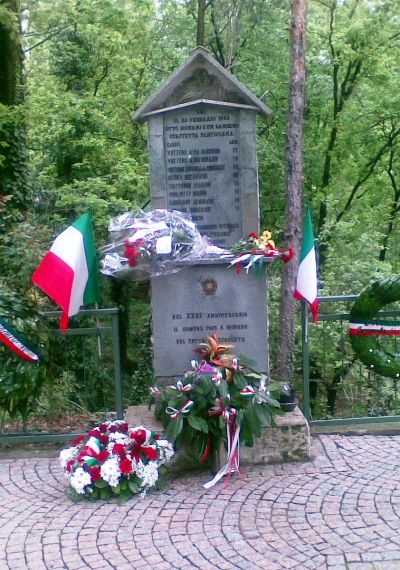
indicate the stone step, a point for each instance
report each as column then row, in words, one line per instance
column 288, row 440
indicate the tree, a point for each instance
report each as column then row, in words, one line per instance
column 13, row 175
column 352, row 63
column 293, row 189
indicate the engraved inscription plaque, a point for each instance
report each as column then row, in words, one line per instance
column 201, row 148
column 186, row 313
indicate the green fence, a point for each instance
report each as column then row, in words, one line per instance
column 86, row 385
column 337, row 388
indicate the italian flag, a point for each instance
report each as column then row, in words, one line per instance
column 306, row 285
column 68, row 272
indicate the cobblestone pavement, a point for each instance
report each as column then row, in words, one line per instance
column 339, row 511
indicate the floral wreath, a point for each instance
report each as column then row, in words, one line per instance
column 365, row 329
column 221, row 399
column 114, row 460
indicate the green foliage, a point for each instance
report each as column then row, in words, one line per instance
column 367, row 348
column 20, row 381
column 138, row 382
column 69, row 144
column 208, row 399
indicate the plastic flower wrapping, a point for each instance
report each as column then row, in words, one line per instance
column 115, row 460
column 147, row 244
column 221, row 399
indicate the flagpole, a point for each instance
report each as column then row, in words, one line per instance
column 99, row 344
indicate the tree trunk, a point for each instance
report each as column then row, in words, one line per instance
column 201, row 12
column 293, row 186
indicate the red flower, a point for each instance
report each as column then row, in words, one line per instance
column 95, row 433
column 253, row 235
column 286, row 256
column 139, row 436
column 77, row 440
column 150, row 453
column 119, row 449
column 95, row 473
column 103, row 428
column 123, row 427
column 103, row 438
column 132, row 252
column 102, row 456
column 69, row 465
column 125, row 466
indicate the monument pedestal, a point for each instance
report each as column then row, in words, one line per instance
column 205, row 299
column 288, row 441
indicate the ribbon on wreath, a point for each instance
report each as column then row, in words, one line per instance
column 180, row 387
column 184, row 409
column 260, row 395
column 10, row 338
column 154, row 391
column 93, row 453
column 232, row 436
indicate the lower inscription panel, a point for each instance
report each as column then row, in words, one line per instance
column 203, row 300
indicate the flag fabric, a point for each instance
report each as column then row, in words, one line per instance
column 14, row 342
column 68, row 272
column 306, row 285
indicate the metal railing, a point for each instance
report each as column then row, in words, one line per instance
column 350, row 392
column 86, row 365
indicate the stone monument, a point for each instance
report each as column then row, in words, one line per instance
column 202, row 146
column 202, row 149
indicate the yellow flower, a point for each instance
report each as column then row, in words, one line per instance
column 266, row 236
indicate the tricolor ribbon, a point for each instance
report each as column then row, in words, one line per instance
column 154, row 391
column 259, row 394
column 375, row 329
column 232, row 437
column 180, row 387
column 184, row 409
column 221, row 410
column 260, row 257
column 92, row 453
column 232, row 463
column 14, row 342
column 247, row 391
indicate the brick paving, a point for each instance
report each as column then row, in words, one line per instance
column 341, row 511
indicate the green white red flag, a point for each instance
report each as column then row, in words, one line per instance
column 68, row 272
column 306, row 285
column 14, row 342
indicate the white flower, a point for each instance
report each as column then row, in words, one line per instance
column 79, row 480
column 147, row 473
column 110, row 472
column 68, row 454
column 119, row 437
column 166, row 451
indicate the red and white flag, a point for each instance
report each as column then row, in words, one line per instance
column 68, row 272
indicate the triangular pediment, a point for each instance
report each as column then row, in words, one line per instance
column 200, row 79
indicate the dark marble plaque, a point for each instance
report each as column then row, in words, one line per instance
column 203, row 162
column 201, row 148
column 203, row 300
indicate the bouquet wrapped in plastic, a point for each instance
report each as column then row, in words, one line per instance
column 147, row 244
